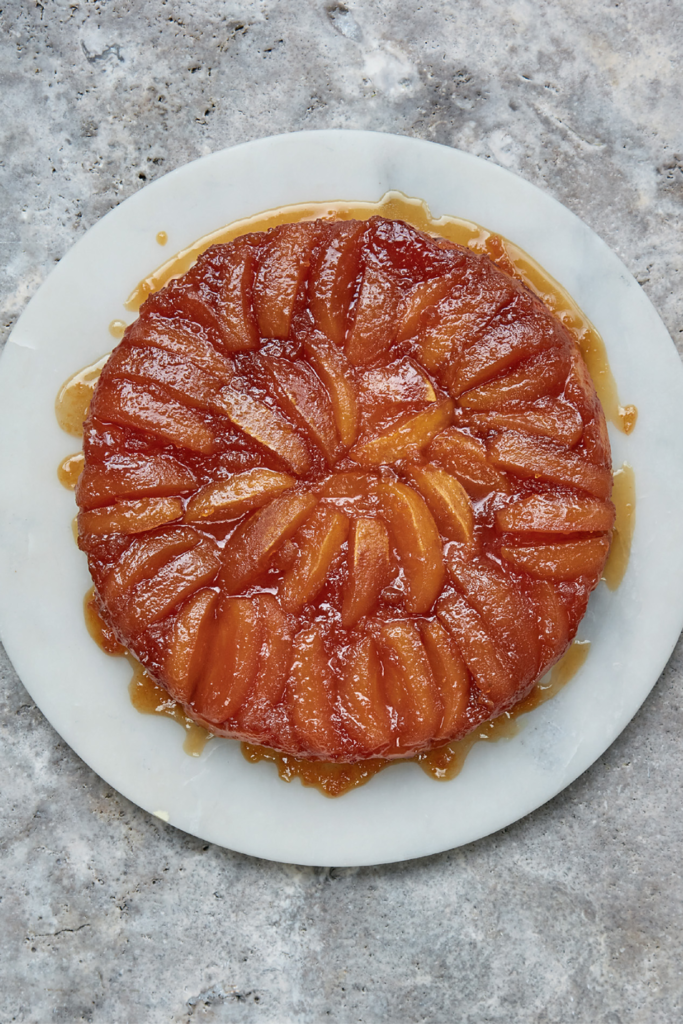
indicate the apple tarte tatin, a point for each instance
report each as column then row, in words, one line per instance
column 346, row 489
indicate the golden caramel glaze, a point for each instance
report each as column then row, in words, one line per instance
column 346, row 490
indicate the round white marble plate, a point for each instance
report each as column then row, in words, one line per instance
column 219, row 796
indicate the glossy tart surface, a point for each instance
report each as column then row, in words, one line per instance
column 346, row 489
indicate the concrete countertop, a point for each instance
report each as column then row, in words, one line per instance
column 571, row 915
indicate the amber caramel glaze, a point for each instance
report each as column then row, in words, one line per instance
column 441, row 764
column 332, row 780
column 70, row 469
column 624, row 501
column 146, row 696
column 500, row 252
column 117, row 328
column 397, row 206
column 162, row 237
column 73, row 400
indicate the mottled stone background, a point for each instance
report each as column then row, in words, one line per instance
column 573, row 914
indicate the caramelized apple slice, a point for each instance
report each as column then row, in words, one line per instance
column 491, row 670
column 543, row 460
column 405, row 439
column 134, row 405
column 451, row 676
column 551, row 418
column 534, row 378
column 276, row 659
column 304, row 399
column 346, row 485
column 143, row 559
column 280, row 276
column 504, row 610
column 447, row 329
column 447, row 500
column 374, row 327
column 236, row 305
column 420, row 298
column 362, row 698
column 241, row 493
column 553, row 620
column 417, row 541
column 333, row 275
column 160, row 332
column 565, row 561
column 262, row 424
column 320, row 542
column 467, row 459
column 333, row 368
column 153, row 599
column 131, row 516
column 397, row 384
column 409, row 684
column 369, row 569
column 547, row 513
column 232, row 663
column 183, row 379
column 132, row 476
column 311, row 696
column 182, row 300
column 521, row 329
column 188, row 645
column 253, row 544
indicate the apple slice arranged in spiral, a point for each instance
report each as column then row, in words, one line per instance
column 134, row 516
column 333, row 369
column 544, row 460
column 406, row 439
column 276, row 658
column 159, row 332
column 409, row 683
column 565, row 561
column 550, row 513
column 311, row 696
column 240, row 493
column 250, row 549
column 175, row 581
column 233, row 661
column 132, row 476
column 304, row 399
column 369, row 569
column 266, row 427
column 416, row 538
column 320, row 541
column 282, row 272
column 467, row 459
column 236, row 296
column 362, row 698
column 188, row 645
column 447, row 500
column 374, row 327
column 332, row 279
column 451, row 676
column 551, row 417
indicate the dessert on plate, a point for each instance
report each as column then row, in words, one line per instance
column 346, row 489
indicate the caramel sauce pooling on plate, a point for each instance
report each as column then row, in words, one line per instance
column 445, row 762
column 146, row 696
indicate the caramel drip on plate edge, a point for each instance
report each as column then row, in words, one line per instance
column 73, row 401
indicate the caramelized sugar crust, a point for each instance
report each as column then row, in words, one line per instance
column 346, row 489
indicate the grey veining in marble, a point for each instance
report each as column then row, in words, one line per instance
column 572, row 915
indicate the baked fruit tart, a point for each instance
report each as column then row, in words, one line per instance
column 346, row 489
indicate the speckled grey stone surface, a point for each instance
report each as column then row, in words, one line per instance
column 572, row 915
